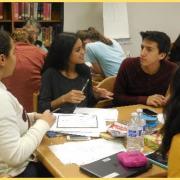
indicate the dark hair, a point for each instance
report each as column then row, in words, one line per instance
column 94, row 35
column 171, row 114
column 60, row 51
column 174, row 55
column 5, row 43
column 161, row 38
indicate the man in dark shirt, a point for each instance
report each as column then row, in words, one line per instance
column 145, row 79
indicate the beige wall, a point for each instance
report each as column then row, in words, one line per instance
column 152, row 16
column 142, row 16
column 82, row 15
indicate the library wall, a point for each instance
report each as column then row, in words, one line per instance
column 141, row 16
column 82, row 15
column 151, row 16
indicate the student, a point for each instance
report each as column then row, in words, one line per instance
column 65, row 75
column 20, row 133
column 105, row 55
column 27, row 74
column 171, row 130
column 145, row 79
column 174, row 55
column 34, row 29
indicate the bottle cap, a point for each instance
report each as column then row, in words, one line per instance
column 139, row 110
column 134, row 114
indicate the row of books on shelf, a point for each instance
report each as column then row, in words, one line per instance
column 39, row 11
column 48, row 33
column 26, row 10
column 1, row 11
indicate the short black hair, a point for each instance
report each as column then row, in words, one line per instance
column 5, row 43
column 161, row 38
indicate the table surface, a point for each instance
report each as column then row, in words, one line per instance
column 58, row 169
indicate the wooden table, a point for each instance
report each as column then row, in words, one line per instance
column 58, row 169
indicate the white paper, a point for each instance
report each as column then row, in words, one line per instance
column 76, row 123
column 160, row 118
column 86, row 152
column 115, row 20
column 102, row 113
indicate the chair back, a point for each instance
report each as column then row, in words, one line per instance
column 35, row 101
column 107, row 83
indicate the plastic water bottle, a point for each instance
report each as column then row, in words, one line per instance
column 142, row 127
column 133, row 141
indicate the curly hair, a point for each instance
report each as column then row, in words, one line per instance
column 20, row 35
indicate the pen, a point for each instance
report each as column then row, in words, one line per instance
column 55, row 110
column 85, row 85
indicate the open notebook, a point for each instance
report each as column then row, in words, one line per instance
column 109, row 167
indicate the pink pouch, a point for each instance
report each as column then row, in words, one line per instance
column 132, row 159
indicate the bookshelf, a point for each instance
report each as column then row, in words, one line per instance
column 50, row 15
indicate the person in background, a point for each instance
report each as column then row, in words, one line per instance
column 171, row 130
column 20, row 133
column 34, row 30
column 105, row 55
column 27, row 74
column 66, row 80
column 145, row 79
column 174, row 55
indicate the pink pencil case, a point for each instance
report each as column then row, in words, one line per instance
column 132, row 159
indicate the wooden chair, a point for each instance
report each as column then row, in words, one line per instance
column 35, row 101
column 4, row 176
column 96, row 79
column 107, row 83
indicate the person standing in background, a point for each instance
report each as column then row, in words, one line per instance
column 105, row 55
column 27, row 74
column 20, row 132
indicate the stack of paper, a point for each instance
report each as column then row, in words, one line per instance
column 87, row 151
column 105, row 114
column 79, row 124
